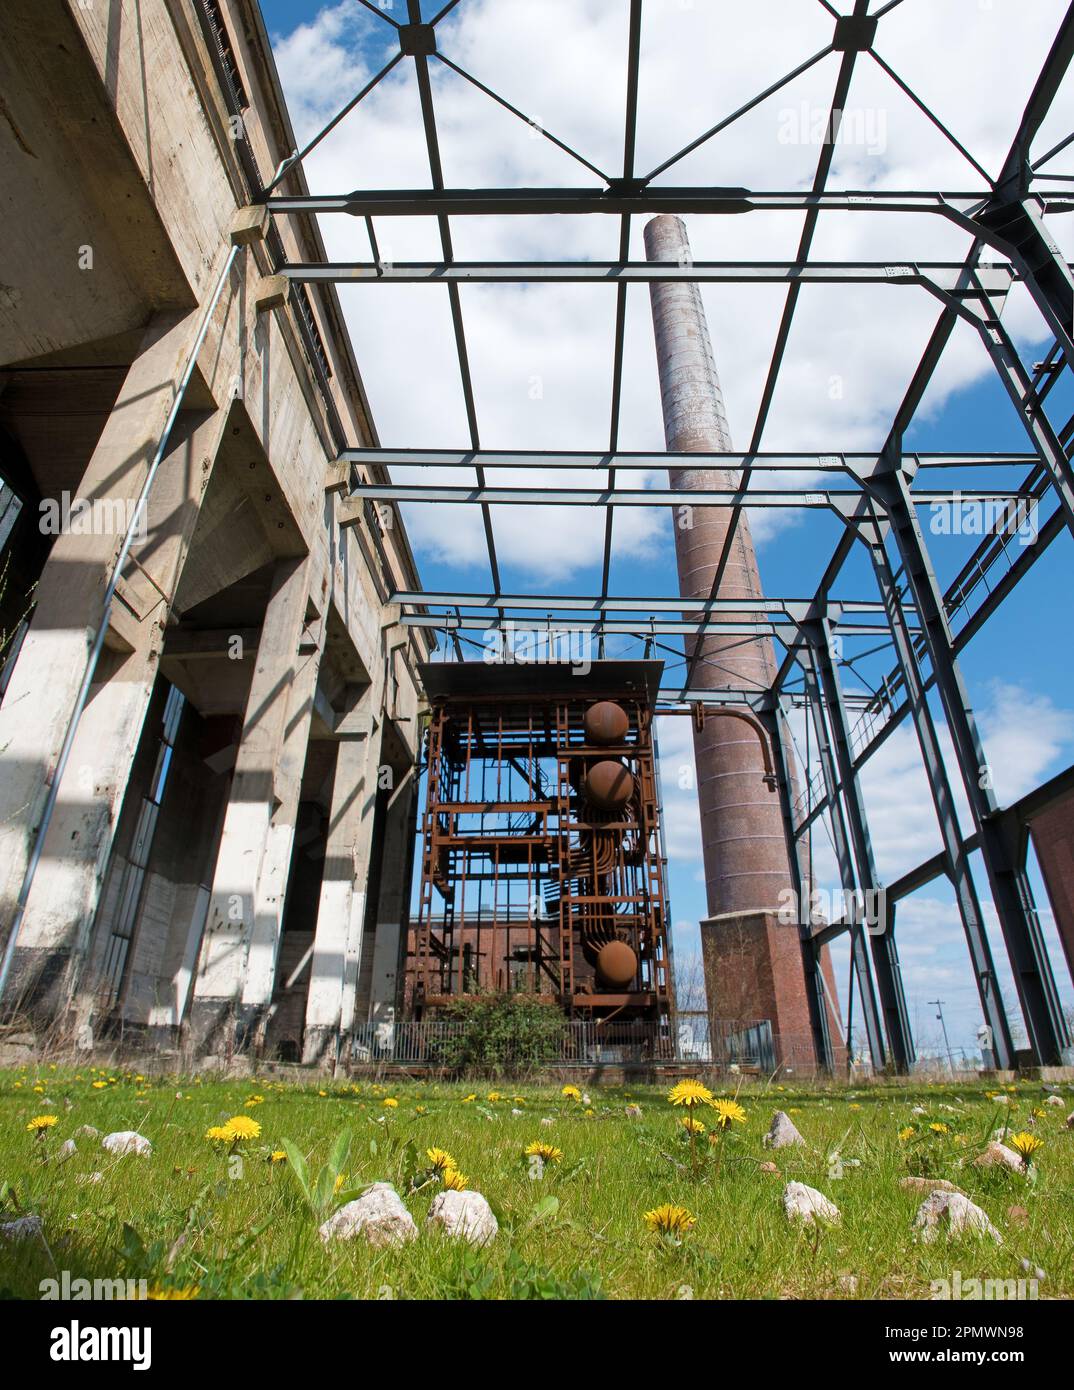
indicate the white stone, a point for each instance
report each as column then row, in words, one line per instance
column 515, row 1111
column 378, row 1214
column 782, row 1132
column 955, row 1212
column 89, row 1177
column 87, row 1132
column 633, row 1112
column 998, row 1135
column 24, row 1228
column 1070, row 1120
column 806, row 1204
column 464, row 1215
column 126, row 1141
column 67, row 1150
column 1054, row 1100
column 547, row 1120
column 996, row 1155
column 919, row 1110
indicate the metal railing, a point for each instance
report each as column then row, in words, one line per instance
column 750, row 1046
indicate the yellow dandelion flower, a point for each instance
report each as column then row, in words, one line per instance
column 40, row 1123
column 255, row 1100
column 440, row 1159
column 453, row 1180
column 340, row 1182
column 242, row 1127
column 99, row 1085
column 39, row 1090
column 218, row 1134
column 692, row 1126
column 494, row 1096
column 277, row 1156
column 390, row 1103
column 548, row 1152
column 669, row 1220
column 421, row 1110
column 571, row 1092
column 907, row 1133
column 728, row 1112
column 1025, row 1144
column 689, row 1093
column 467, row 1099
column 938, row 1127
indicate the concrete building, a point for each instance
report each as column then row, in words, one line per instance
column 217, row 857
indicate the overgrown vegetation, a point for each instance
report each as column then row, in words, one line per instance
column 501, row 1035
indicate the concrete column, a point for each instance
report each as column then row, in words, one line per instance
column 341, row 911
column 744, row 845
column 254, row 800
column 379, row 982
column 264, row 944
column 41, row 695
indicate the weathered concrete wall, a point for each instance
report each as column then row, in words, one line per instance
column 156, row 205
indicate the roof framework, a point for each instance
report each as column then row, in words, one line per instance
column 874, row 496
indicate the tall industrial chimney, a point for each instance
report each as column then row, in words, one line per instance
column 753, row 963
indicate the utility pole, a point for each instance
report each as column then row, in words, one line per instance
column 947, row 1046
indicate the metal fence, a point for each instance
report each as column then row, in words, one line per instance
column 431, row 1043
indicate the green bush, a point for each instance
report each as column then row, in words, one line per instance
column 502, row 1035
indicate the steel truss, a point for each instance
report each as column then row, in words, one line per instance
column 873, row 495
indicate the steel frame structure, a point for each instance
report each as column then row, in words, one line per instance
column 873, row 495
column 526, row 872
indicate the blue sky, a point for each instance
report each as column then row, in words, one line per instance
column 1018, row 669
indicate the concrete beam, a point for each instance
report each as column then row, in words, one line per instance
column 258, row 791
column 341, row 911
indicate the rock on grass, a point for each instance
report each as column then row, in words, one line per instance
column 23, row 1228
column 463, row 1215
column 126, row 1141
column 953, row 1215
column 378, row 1214
column 782, row 1132
column 806, row 1204
column 928, row 1185
column 998, row 1155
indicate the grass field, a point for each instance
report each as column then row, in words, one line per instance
column 222, row 1219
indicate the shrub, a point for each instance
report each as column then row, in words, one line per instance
column 502, row 1035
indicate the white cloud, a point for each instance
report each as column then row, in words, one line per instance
column 562, row 62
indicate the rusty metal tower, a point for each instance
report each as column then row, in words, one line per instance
column 542, row 868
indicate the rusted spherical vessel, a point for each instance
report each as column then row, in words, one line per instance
column 616, row 964
column 608, row 785
column 606, row 722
